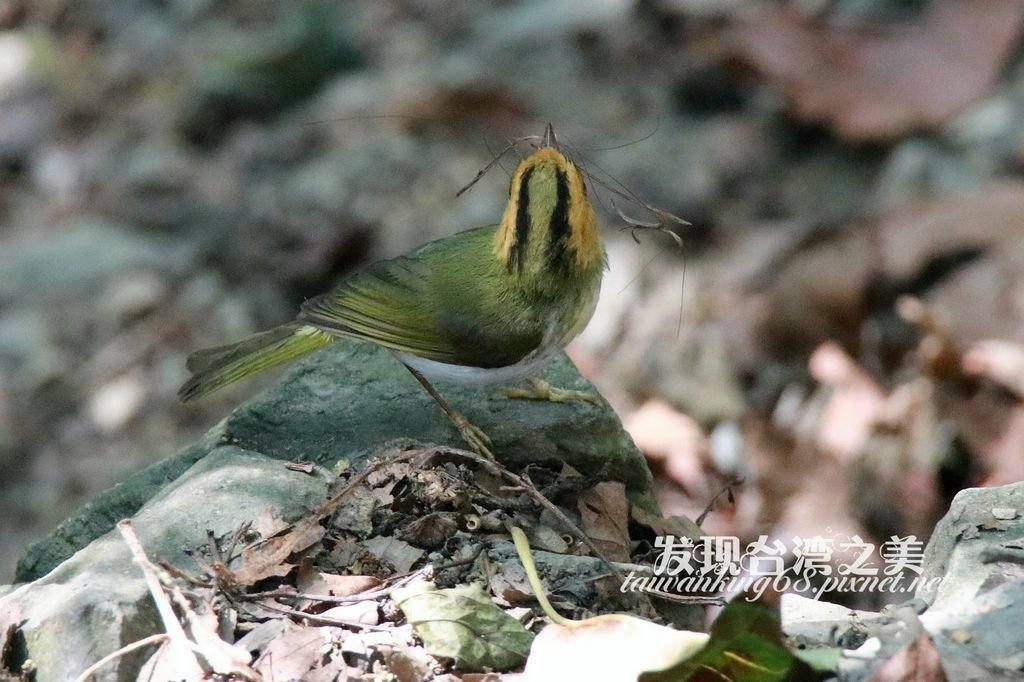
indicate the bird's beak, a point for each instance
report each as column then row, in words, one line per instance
column 549, row 137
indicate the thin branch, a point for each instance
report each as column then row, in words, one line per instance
column 123, row 651
column 711, row 503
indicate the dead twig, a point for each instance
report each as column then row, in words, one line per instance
column 320, row 620
column 205, row 650
column 123, row 651
column 735, row 481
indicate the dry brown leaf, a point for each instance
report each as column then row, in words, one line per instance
column 413, row 664
column 293, row 653
column 432, row 530
column 679, row 526
column 269, row 558
column 268, row 524
column 916, row 662
column 875, row 85
column 197, row 654
column 604, row 518
column 10, row 618
column 546, row 538
column 356, row 513
column 334, row 670
column 170, row 662
column 317, row 582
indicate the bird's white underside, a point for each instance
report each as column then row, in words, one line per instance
column 482, row 376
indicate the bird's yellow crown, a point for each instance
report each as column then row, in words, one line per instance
column 549, row 223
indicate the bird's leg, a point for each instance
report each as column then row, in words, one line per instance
column 470, row 433
column 542, row 390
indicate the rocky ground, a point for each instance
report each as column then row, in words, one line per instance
column 841, row 334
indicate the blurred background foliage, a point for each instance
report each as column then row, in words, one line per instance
column 179, row 173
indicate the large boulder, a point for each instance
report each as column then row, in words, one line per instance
column 341, row 404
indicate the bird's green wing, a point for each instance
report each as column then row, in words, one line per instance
column 432, row 303
column 387, row 303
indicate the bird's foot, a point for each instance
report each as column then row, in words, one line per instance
column 542, row 390
column 473, row 435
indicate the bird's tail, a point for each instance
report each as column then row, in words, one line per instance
column 214, row 368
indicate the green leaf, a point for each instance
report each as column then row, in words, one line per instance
column 746, row 644
column 463, row 624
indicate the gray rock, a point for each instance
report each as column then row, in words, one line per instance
column 345, row 402
column 337, row 405
column 971, row 544
column 969, row 598
column 973, row 579
column 97, row 601
column 821, row 623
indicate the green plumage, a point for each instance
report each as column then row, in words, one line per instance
column 215, row 368
column 451, row 301
column 498, row 297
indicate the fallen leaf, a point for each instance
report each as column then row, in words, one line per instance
column 546, row 538
column 397, row 553
column 875, row 85
column 317, row 582
column 463, row 624
column 10, row 622
column 679, row 526
column 432, row 530
column 612, row 648
column 356, row 513
column 365, row 612
column 604, row 517
column 268, row 524
column 746, row 643
column 262, row 634
column 293, row 653
column 333, row 669
column 608, row 647
column 268, row 558
column 193, row 648
column 409, row 664
column 916, row 662
column 170, row 662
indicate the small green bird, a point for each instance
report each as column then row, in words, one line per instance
column 485, row 306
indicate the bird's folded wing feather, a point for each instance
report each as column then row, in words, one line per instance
column 391, row 303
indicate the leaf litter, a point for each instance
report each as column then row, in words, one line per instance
column 316, row 599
